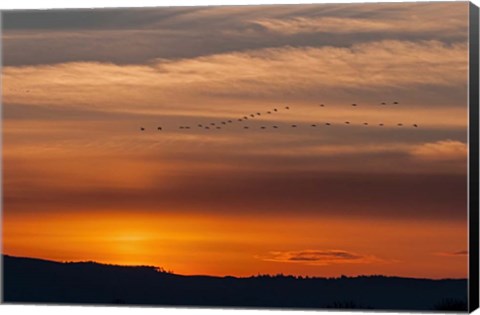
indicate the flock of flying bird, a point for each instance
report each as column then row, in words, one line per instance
column 219, row 125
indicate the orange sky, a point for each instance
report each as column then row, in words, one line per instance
column 81, row 182
column 242, row 245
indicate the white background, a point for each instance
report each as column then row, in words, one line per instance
column 77, row 310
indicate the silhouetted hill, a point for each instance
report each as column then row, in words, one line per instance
column 28, row 280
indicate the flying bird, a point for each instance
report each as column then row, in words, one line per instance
column 354, row 104
column 294, row 126
column 245, row 127
column 213, row 124
column 321, row 105
column 395, row 102
column 159, row 128
column 258, row 114
column 381, row 125
column 207, row 127
column 275, row 127
column 142, row 129
column 314, row 125
column 224, row 123
column 383, row 103
column 275, row 110
column 269, row 112
column 365, row 123
column 230, row 121
column 252, row 115
column 399, row 124
column 415, row 125
column 200, row 125
column 218, row 127
column 328, row 124
column 286, row 107
column 347, row 122
column 263, row 127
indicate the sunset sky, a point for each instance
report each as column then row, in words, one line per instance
column 82, row 182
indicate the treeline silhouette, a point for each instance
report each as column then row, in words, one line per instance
column 28, row 280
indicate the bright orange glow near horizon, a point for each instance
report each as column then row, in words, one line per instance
column 241, row 246
column 336, row 140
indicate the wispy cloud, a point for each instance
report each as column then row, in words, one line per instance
column 301, row 73
column 460, row 253
column 444, row 150
column 319, row 257
column 346, row 25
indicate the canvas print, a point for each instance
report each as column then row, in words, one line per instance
column 309, row 156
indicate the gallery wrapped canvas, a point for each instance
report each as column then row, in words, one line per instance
column 309, row 156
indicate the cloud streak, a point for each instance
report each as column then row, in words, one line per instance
column 460, row 253
column 296, row 73
column 318, row 257
column 345, row 25
column 444, row 150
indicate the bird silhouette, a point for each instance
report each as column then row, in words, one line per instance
column 253, row 115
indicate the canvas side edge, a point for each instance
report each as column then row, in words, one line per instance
column 473, row 143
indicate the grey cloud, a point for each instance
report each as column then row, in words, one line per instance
column 126, row 36
column 437, row 197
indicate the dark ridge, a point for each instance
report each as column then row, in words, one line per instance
column 28, row 280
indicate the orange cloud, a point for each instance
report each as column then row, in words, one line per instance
column 460, row 253
column 319, row 257
column 445, row 150
column 305, row 71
